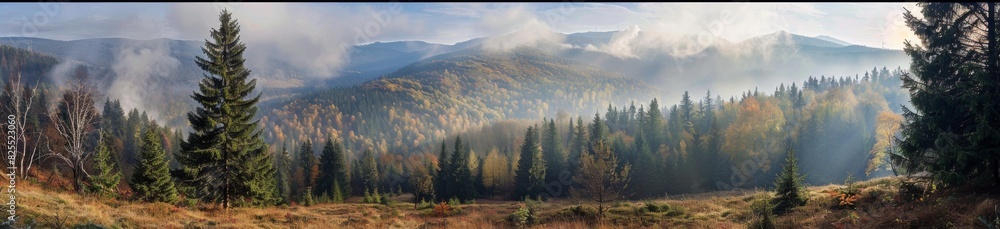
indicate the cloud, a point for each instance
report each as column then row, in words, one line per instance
column 140, row 72
column 620, row 45
column 314, row 40
column 517, row 27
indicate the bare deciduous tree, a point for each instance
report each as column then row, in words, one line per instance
column 75, row 119
column 17, row 99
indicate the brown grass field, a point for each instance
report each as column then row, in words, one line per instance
column 881, row 204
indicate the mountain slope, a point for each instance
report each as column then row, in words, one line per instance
column 447, row 94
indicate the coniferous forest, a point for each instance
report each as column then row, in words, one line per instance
column 536, row 136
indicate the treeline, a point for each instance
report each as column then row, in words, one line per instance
column 837, row 126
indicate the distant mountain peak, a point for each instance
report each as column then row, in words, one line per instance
column 833, row 40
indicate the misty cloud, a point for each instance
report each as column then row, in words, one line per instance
column 518, row 27
column 140, row 73
column 313, row 40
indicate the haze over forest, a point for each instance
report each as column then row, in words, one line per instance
column 251, row 105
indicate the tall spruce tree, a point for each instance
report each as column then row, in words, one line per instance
column 461, row 184
column 307, row 163
column 955, row 90
column 105, row 180
column 332, row 181
column 554, row 156
column 369, row 174
column 281, row 175
column 225, row 157
column 530, row 176
column 443, row 176
column 151, row 179
column 789, row 189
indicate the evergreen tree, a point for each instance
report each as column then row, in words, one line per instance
column 579, row 143
column 789, row 187
column 332, row 181
column 368, row 170
column 105, row 180
column 530, row 176
column 307, row 162
column 461, row 183
column 598, row 130
column 653, row 126
column 225, row 156
column 113, row 118
column 687, row 107
column 955, row 90
column 553, row 154
column 282, row 177
column 151, row 179
column 443, row 176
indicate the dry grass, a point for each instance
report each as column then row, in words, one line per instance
column 880, row 206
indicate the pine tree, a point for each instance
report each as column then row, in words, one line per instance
column 225, row 156
column 307, row 162
column 151, row 179
column 789, row 187
column 369, row 174
column 553, row 154
column 461, row 183
column 332, row 181
column 106, row 178
column 653, row 126
column 443, row 175
column 282, row 177
column 579, row 144
column 954, row 88
column 530, row 176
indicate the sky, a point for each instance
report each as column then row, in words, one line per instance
column 329, row 25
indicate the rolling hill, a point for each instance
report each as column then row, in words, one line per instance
column 446, row 94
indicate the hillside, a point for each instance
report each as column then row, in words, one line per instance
column 881, row 204
column 448, row 93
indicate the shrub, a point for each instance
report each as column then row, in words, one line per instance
column 520, row 218
column 454, row 202
column 442, row 210
column 761, row 214
column 384, row 200
column 581, row 211
column 848, row 196
column 190, row 203
column 424, row 205
column 307, row 199
column 670, row 210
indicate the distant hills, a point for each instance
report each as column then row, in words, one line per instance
column 451, row 87
column 450, row 93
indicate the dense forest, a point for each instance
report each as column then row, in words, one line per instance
column 464, row 126
column 479, row 105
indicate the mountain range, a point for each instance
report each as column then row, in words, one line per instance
column 471, row 82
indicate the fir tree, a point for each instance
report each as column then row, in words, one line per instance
column 307, row 162
column 789, row 189
column 282, row 177
column 151, row 179
column 530, row 176
column 461, row 184
column 954, row 88
column 106, row 178
column 332, row 181
column 225, row 156
column 443, row 175
column 553, row 154
column 369, row 174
